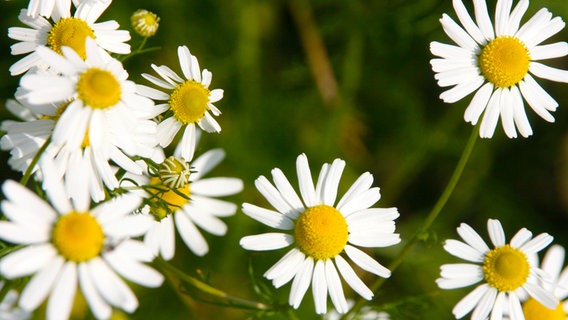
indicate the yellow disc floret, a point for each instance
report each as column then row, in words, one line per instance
column 504, row 61
column 321, row 232
column 506, row 268
column 78, row 236
column 189, row 102
column 534, row 310
column 99, row 89
column 70, row 32
column 166, row 199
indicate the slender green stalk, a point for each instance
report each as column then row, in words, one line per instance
column 221, row 296
column 434, row 213
column 29, row 170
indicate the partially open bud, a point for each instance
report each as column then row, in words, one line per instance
column 145, row 23
column 174, row 172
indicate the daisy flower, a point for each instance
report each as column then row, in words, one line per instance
column 507, row 272
column 184, row 200
column 189, row 102
column 320, row 231
column 498, row 62
column 65, row 31
column 68, row 245
column 24, row 138
column 552, row 264
column 101, row 117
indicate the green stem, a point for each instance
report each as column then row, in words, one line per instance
column 429, row 219
column 203, row 287
column 35, row 160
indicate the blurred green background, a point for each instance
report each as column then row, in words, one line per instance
column 379, row 111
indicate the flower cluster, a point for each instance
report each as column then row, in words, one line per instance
column 111, row 177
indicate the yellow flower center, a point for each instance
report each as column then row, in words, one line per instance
column 98, row 89
column 78, row 236
column 504, row 61
column 189, row 102
column 506, row 268
column 321, row 232
column 174, row 172
column 533, row 310
column 70, row 32
column 167, row 200
column 145, row 23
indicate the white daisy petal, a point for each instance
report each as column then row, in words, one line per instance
column 521, row 120
column 319, row 287
column 467, row 303
column 307, row 189
column 301, row 283
column 465, row 19
column 502, row 17
column 499, row 306
column 543, row 296
column 287, row 192
column 549, row 51
column 463, row 251
column 496, row 233
column 268, row 217
column 63, row 294
column 266, row 241
column 334, row 287
column 545, row 72
column 461, row 90
column 27, row 260
column 516, row 15
column 274, row 197
column 287, row 262
column 98, row 305
column 110, row 286
column 485, row 305
column 553, row 261
column 217, row 187
column 40, row 285
column 520, row 238
column 537, row 243
column 483, row 20
column 207, row 161
column 366, row 262
column 507, row 113
column 331, row 183
column 514, row 306
column 456, row 33
column 190, row 234
column 352, row 279
column 472, row 238
column 491, row 115
column 540, row 101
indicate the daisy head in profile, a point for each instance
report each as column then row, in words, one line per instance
column 65, row 30
column 187, row 102
column 68, row 245
column 498, row 61
column 507, row 272
column 321, row 232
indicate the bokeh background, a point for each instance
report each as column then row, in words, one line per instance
column 350, row 80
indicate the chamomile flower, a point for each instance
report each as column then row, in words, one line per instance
column 507, row 272
column 65, row 31
column 24, row 138
column 498, row 63
column 68, row 245
column 184, row 200
column 101, row 117
column 553, row 265
column 189, row 102
column 320, row 232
